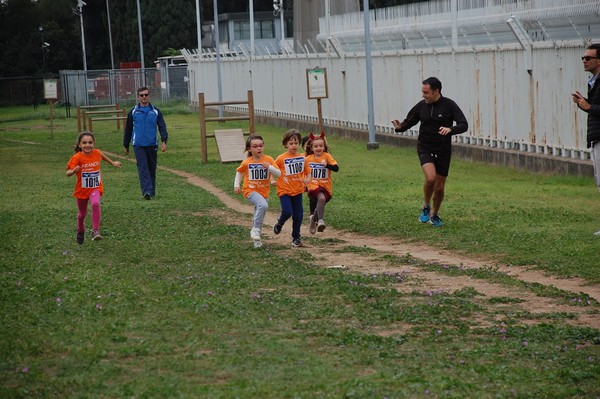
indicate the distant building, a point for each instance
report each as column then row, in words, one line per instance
column 234, row 32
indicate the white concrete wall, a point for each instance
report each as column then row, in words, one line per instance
column 505, row 105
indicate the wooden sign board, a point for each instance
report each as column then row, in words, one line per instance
column 50, row 89
column 231, row 144
column 316, row 83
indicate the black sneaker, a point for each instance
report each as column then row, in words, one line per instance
column 277, row 228
column 148, row 196
column 297, row 243
column 80, row 238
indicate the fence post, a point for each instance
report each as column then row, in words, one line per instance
column 202, row 127
column 251, row 111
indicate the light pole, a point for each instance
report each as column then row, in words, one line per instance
column 278, row 7
column 112, row 58
column 198, row 26
column 41, row 29
column 80, row 4
column 141, row 43
column 218, row 51
column 79, row 11
column 372, row 144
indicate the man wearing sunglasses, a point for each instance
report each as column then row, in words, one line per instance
column 140, row 130
column 591, row 105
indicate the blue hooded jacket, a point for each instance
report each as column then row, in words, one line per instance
column 141, row 126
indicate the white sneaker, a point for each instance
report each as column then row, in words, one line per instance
column 257, row 243
column 597, row 233
column 312, row 228
column 321, row 226
column 255, row 233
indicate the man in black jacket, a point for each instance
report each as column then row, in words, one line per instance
column 591, row 105
column 437, row 115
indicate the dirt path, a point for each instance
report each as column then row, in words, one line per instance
column 331, row 254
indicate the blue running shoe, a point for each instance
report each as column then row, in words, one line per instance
column 424, row 217
column 436, row 221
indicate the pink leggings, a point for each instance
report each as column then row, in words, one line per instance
column 82, row 204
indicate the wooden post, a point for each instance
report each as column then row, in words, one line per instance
column 84, row 120
column 202, row 127
column 52, row 119
column 251, row 129
column 90, row 127
column 119, row 114
column 320, row 114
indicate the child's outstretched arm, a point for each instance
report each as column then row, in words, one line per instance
column 71, row 172
column 274, row 170
column 236, row 183
column 333, row 167
column 116, row 164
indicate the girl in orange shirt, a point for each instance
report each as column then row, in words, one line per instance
column 256, row 171
column 85, row 164
column 291, row 184
column 320, row 165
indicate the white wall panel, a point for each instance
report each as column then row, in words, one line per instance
column 501, row 99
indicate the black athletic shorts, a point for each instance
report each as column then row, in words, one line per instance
column 441, row 161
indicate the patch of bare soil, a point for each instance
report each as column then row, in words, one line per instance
column 335, row 253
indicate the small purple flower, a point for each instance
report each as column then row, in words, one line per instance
column 525, row 343
column 25, row 369
column 98, row 306
column 210, row 293
column 58, row 300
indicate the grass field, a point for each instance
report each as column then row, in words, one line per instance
column 176, row 303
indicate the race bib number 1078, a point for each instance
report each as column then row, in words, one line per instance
column 90, row 179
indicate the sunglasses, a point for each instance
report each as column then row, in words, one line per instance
column 588, row 57
column 144, row 95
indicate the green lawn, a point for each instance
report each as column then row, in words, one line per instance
column 174, row 303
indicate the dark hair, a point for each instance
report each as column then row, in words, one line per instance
column 81, row 135
column 289, row 134
column 144, row 88
column 304, row 140
column 434, row 83
column 249, row 141
column 595, row 46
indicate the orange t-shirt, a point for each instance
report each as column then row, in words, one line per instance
column 88, row 177
column 293, row 172
column 256, row 177
column 320, row 176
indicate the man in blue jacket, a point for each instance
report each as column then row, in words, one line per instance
column 140, row 130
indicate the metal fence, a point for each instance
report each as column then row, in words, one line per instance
column 119, row 86
column 27, row 90
column 513, row 84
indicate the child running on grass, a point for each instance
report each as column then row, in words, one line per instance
column 256, row 171
column 86, row 165
column 291, row 184
column 320, row 164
